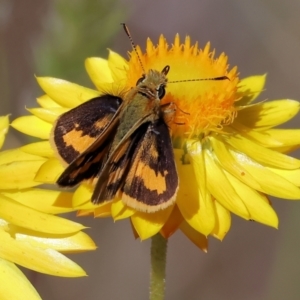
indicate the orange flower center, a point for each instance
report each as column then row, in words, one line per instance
column 202, row 105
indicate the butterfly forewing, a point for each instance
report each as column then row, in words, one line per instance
column 152, row 181
column 145, row 173
column 82, row 137
column 113, row 174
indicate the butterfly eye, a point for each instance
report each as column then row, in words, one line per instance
column 161, row 91
column 140, row 80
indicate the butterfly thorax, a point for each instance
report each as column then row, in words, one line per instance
column 141, row 105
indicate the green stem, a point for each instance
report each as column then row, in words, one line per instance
column 158, row 267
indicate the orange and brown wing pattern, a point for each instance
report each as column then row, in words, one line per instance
column 113, row 174
column 82, row 137
column 152, row 181
column 143, row 170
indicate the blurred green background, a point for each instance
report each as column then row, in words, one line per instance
column 52, row 38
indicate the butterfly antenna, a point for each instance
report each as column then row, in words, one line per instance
column 133, row 45
column 201, row 79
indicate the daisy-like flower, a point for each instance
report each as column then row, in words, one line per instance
column 30, row 234
column 229, row 156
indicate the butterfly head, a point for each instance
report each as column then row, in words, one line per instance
column 153, row 84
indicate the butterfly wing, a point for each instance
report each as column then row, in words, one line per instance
column 143, row 169
column 113, row 173
column 82, row 135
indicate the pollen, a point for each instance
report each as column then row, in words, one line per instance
column 203, row 104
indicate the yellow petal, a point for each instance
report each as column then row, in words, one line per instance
column 261, row 154
column 172, row 224
column 103, row 210
column 88, row 205
column 74, row 243
column 49, row 115
column 221, row 189
column 286, row 149
column 15, row 155
column 84, row 212
column 54, row 202
column 257, row 204
column 287, row 137
column 49, row 171
column 223, row 221
column 46, row 261
column 120, row 211
column 197, row 210
column 269, row 182
column 66, row 93
column 46, row 102
column 117, row 65
column 292, row 176
column 43, row 149
column 205, row 215
column 98, row 71
column 33, row 126
column 268, row 114
column 135, row 234
column 23, row 216
column 196, row 156
column 82, row 195
column 148, row 224
column 251, row 87
column 230, row 164
column 197, row 238
column 85, row 204
column 261, row 137
column 4, row 123
column 19, row 175
column 14, row 284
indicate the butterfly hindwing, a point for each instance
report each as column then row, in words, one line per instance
column 82, row 137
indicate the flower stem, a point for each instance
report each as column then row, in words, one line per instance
column 158, row 267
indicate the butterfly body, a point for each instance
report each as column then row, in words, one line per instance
column 141, row 105
column 130, row 151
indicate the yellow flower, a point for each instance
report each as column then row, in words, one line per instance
column 228, row 156
column 30, row 235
